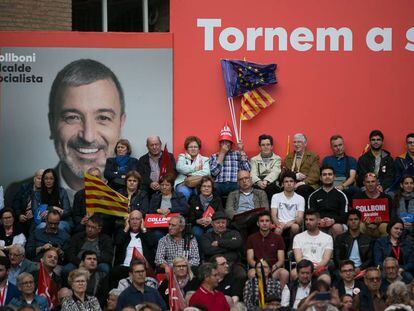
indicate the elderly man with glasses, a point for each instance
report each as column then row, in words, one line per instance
column 18, row 263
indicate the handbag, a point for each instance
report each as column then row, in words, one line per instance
column 192, row 181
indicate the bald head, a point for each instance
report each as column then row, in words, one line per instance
column 154, row 145
column 135, row 221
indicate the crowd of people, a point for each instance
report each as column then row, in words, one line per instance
column 246, row 234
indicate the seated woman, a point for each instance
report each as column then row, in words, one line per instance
column 394, row 246
column 183, row 275
column 191, row 166
column 138, row 198
column 404, row 201
column 10, row 232
column 167, row 200
column 27, row 287
column 51, row 196
column 250, row 292
column 200, row 203
column 117, row 168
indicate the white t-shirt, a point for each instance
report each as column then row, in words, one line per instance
column 312, row 246
column 287, row 208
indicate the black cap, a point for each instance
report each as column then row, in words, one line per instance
column 219, row 215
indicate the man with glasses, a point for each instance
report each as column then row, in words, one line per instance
column 404, row 164
column 391, row 274
column 18, row 263
column 370, row 297
column 45, row 238
column 347, row 283
column 378, row 161
column 27, row 287
column 92, row 239
column 138, row 292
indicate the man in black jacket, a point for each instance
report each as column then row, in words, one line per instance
column 378, row 161
column 353, row 244
column 132, row 235
column 92, row 239
column 150, row 163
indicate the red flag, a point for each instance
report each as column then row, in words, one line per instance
column 175, row 296
column 166, row 164
column 47, row 287
column 208, row 212
column 136, row 255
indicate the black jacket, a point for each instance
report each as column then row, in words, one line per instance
column 114, row 176
column 366, row 164
column 178, row 203
column 144, row 168
column 139, row 201
column 343, row 246
column 149, row 246
column 229, row 245
column 196, row 209
column 105, row 244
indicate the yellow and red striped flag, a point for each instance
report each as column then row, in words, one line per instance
column 366, row 148
column 253, row 102
column 100, row 198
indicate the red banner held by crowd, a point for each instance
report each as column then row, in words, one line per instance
column 373, row 208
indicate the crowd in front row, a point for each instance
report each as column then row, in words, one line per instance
column 246, row 235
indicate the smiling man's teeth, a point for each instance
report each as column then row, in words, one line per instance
column 87, row 151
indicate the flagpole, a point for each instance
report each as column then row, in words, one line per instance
column 233, row 118
column 240, row 128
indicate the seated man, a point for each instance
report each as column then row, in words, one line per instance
column 50, row 236
column 404, row 164
column 8, row 290
column 288, row 207
column 265, row 167
column 150, row 163
column 79, row 216
column 300, row 288
column 347, row 283
column 225, row 164
column 344, row 167
column 93, row 240
column 243, row 200
column 133, row 235
column 225, row 242
column 353, row 244
column 370, row 296
column 331, row 203
column 50, row 264
column 174, row 244
column 376, row 160
column 138, row 292
column 305, row 164
column 372, row 191
column 392, row 273
column 313, row 244
column 18, row 263
column 269, row 245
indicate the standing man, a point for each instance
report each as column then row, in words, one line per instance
column 404, row 164
column 288, row 207
column 138, row 292
column 149, row 165
column 331, row 203
column 305, row 164
column 225, row 164
column 378, row 161
column 265, row 167
column 344, row 166
column 206, row 295
column 354, row 245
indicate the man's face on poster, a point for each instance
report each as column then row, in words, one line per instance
column 87, row 124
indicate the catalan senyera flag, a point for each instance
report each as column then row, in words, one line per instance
column 100, row 198
column 253, row 102
column 366, row 149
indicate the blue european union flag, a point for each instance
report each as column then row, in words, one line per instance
column 241, row 76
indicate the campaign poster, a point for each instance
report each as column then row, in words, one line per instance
column 373, row 209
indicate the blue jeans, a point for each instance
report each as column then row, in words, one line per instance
column 224, row 188
column 186, row 191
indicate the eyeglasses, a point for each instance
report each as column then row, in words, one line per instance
column 27, row 283
column 347, row 271
column 15, row 255
column 180, row 266
column 80, row 281
column 374, row 279
column 53, row 223
column 410, row 142
column 139, row 271
column 243, row 179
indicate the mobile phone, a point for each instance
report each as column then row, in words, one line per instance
column 323, row 296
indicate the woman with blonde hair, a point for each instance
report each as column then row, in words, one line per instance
column 78, row 281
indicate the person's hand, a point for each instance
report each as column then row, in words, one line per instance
column 166, row 270
column 126, row 224
column 58, row 209
column 329, row 222
column 340, row 187
column 22, row 218
column 43, row 215
column 155, row 186
column 377, row 220
column 300, row 176
column 240, row 146
column 298, row 184
column 163, row 211
column 84, row 220
column 335, row 300
column 367, row 220
column 380, row 189
column 29, row 214
column 262, row 184
column 214, row 244
column 224, row 149
column 47, row 246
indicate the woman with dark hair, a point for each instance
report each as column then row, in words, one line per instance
column 167, row 200
column 394, row 246
column 251, row 288
column 191, row 166
column 201, row 205
column 116, row 168
column 51, row 196
column 138, row 198
column 404, row 201
column 10, row 231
